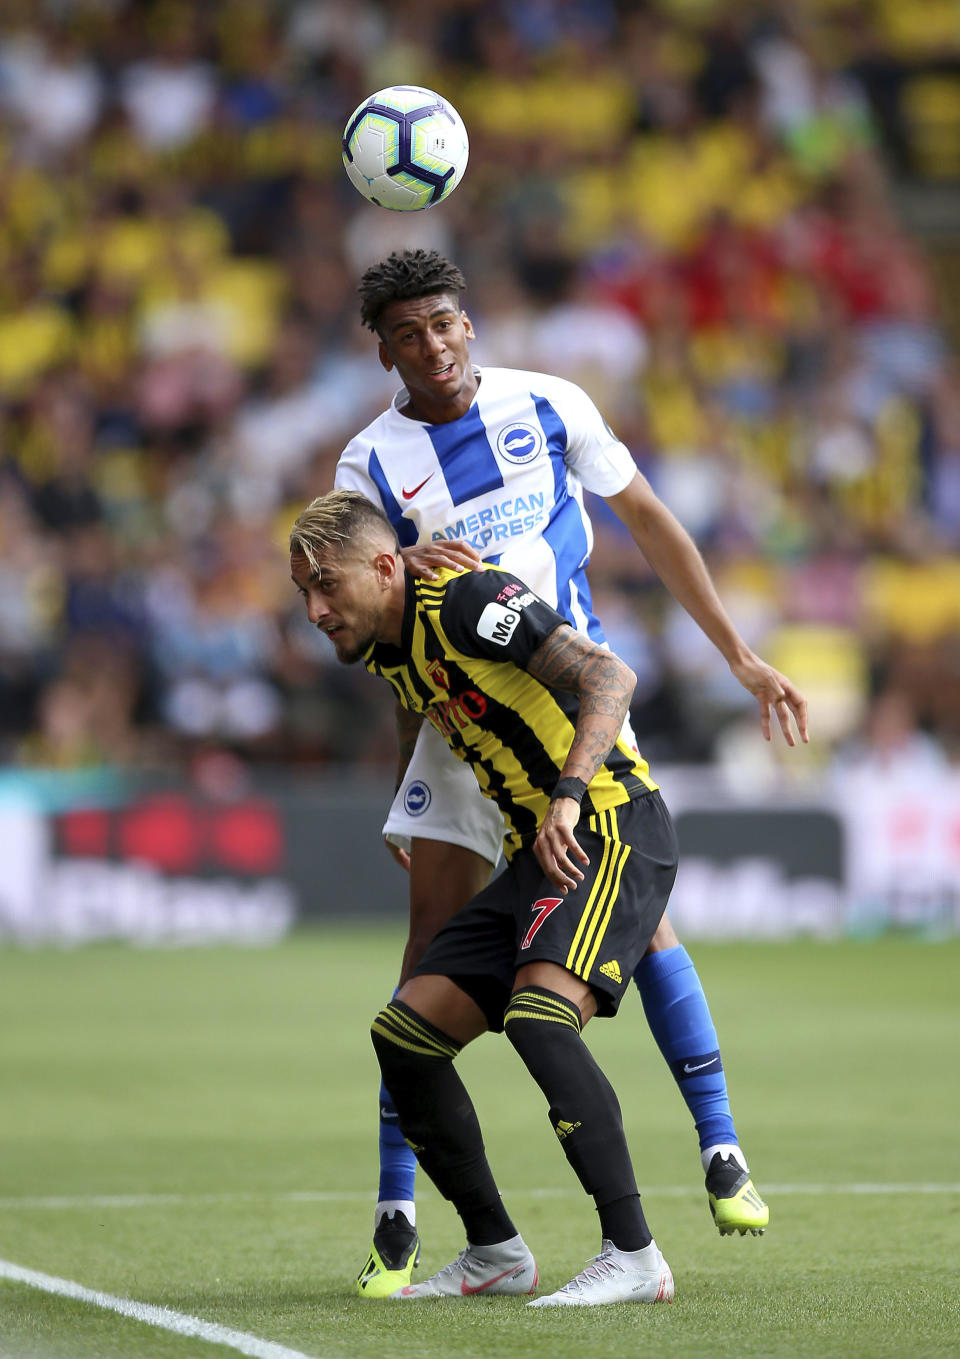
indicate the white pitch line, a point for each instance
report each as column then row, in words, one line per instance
column 163, row 1317
column 180, row 1200
column 63, row 1201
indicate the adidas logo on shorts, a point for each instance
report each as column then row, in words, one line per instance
column 612, row 970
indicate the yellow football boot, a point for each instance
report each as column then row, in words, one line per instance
column 734, row 1202
column 393, row 1257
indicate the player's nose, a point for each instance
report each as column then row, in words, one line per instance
column 317, row 611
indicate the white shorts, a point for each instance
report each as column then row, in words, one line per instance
column 440, row 799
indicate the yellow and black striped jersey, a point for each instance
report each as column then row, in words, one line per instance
column 466, row 640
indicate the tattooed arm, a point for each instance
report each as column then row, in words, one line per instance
column 408, row 726
column 605, row 685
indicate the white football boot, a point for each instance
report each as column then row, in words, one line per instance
column 507, row 1267
column 616, row 1276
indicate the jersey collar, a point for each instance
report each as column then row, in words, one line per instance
column 401, row 397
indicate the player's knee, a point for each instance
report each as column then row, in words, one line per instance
column 535, row 1017
column 404, row 1041
column 544, row 1028
column 584, row 1113
column 384, row 1045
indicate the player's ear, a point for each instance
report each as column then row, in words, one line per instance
column 385, row 358
column 385, row 564
column 467, row 326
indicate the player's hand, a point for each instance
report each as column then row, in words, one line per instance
column 426, row 559
column 402, row 856
column 556, row 845
column 773, row 690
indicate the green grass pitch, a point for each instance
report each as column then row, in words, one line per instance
column 228, row 1097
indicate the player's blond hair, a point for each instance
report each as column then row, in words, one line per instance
column 334, row 519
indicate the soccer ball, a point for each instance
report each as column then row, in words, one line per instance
column 405, row 148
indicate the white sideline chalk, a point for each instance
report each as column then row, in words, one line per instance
column 65, row 1202
column 163, row 1317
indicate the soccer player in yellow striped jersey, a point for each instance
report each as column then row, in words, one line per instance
column 460, row 629
column 537, row 710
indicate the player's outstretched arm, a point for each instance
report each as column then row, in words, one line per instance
column 674, row 556
column 604, row 684
column 426, row 559
column 773, row 690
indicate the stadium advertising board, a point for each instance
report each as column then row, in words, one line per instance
column 172, row 867
column 162, row 868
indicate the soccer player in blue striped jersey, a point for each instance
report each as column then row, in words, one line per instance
column 491, row 464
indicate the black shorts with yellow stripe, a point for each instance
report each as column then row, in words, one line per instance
column 598, row 931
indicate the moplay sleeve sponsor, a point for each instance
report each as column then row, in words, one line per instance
column 495, row 615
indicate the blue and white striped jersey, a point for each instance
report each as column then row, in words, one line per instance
column 507, row 477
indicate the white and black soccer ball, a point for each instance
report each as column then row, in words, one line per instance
column 405, row 148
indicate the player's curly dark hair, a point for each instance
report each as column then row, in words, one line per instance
column 405, row 274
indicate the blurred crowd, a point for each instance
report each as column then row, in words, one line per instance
column 688, row 207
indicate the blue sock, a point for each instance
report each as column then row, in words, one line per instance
column 398, row 1165
column 679, row 1019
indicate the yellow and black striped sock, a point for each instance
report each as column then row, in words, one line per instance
column 437, row 1117
column 544, row 1027
column 398, row 1024
column 534, row 1002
